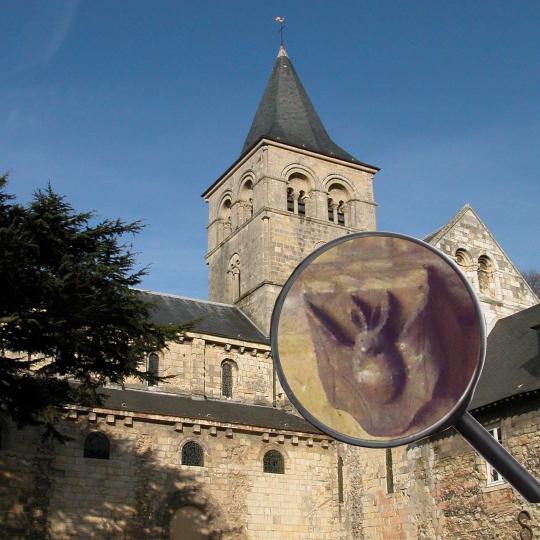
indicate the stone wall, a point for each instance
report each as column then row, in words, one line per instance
column 440, row 485
column 253, row 254
column 194, row 369
column 505, row 291
column 57, row 493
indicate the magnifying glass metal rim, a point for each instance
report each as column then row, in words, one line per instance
column 448, row 419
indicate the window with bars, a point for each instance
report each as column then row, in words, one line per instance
column 153, row 369
column 192, row 454
column 227, row 379
column 97, row 446
column 273, row 462
column 492, row 475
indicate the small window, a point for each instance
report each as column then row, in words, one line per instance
column 485, row 269
column 341, row 213
column 330, row 210
column 462, row 257
column 340, row 479
column 493, row 476
column 302, row 204
column 290, row 200
column 96, row 446
column 226, row 379
column 192, row 454
column 153, row 369
column 273, row 462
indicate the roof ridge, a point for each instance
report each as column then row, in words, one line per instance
column 201, row 300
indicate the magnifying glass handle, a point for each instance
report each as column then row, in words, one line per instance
column 502, row 461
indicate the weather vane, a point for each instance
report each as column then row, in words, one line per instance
column 281, row 22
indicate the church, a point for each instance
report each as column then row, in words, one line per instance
column 216, row 450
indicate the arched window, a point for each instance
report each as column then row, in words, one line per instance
column 341, row 213
column 338, row 203
column 302, row 203
column 485, row 269
column 290, row 200
column 227, row 379
column 462, row 257
column 273, row 462
column 234, row 278
column 246, row 199
column 192, row 454
column 298, row 189
column 225, row 218
column 96, row 446
column 153, row 369
column 330, row 210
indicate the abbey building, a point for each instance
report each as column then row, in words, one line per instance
column 217, row 451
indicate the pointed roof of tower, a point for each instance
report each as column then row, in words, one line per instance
column 286, row 114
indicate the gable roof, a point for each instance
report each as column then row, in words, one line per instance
column 224, row 411
column 437, row 235
column 512, row 365
column 286, row 114
column 211, row 318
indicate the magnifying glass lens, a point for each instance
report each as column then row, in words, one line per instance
column 378, row 339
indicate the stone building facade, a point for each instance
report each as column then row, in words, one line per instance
column 217, row 451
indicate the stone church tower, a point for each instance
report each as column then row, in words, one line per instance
column 291, row 190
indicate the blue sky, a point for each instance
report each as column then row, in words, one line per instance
column 133, row 108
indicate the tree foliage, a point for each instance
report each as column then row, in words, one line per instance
column 532, row 277
column 68, row 310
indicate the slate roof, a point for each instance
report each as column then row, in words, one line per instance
column 211, row 318
column 286, row 114
column 512, row 363
column 149, row 402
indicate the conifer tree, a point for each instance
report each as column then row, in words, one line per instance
column 70, row 320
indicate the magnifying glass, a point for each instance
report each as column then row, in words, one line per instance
column 378, row 340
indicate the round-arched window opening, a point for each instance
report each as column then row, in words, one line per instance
column 273, row 462
column 485, row 270
column 153, row 369
column 462, row 257
column 290, row 200
column 97, row 446
column 192, row 454
column 227, row 379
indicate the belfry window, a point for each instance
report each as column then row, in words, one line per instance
column 192, row 454
column 290, row 200
column 341, row 213
column 302, row 204
column 330, row 210
column 227, row 379
column 338, row 203
column 273, row 462
column 153, row 369
column 298, row 189
column 96, row 446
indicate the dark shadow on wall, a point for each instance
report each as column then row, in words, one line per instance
column 50, row 490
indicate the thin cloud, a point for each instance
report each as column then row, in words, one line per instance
column 60, row 32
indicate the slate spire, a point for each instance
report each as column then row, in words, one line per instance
column 286, row 114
